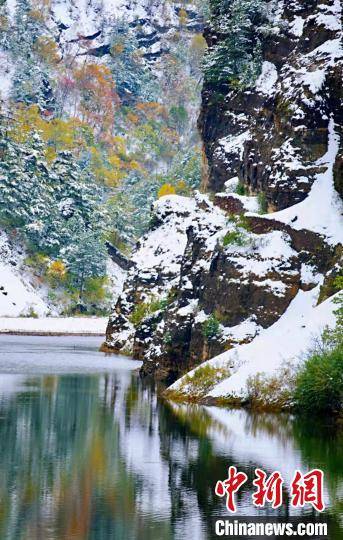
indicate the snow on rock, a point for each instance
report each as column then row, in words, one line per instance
column 83, row 24
column 163, row 247
column 283, row 342
column 277, row 138
column 250, row 204
column 116, row 277
column 157, row 263
column 322, row 210
column 264, row 255
column 267, row 80
column 297, row 26
column 312, row 68
column 285, row 113
column 85, row 18
column 157, row 268
column 246, row 330
column 233, row 144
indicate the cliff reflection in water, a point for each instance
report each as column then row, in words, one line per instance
column 99, row 456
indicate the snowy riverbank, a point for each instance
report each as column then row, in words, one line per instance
column 95, row 326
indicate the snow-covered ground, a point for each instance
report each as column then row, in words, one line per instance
column 54, row 326
column 285, row 341
column 24, row 299
column 18, row 297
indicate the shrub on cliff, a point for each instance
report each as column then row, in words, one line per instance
column 140, row 312
column 145, row 309
column 334, row 337
column 262, row 203
column 236, row 237
column 319, row 384
column 274, row 392
column 197, row 385
column 211, row 328
column 314, row 386
column 240, row 189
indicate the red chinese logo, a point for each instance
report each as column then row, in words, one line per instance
column 308, row 489
column 230, row 486
column 305, row 489
column 268, row 490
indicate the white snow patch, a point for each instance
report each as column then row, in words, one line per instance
column 201, row 317
column 188, row 309
column 117, row 278
column 244, row 330
column 330, row 21
column 18, row 297
column 164, row 245
column 314, row 79
column 231, row 184
column 250, row 204
column 297, row 26
column 268, row 78
column 234, row 143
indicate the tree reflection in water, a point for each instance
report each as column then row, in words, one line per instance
column 100, row 457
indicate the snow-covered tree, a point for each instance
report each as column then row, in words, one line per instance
column 236, row 58
column 25, row 193
column 31, row 83
column 132, row 77
column 46, row 202
column 85, row 256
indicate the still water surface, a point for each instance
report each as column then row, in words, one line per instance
column 88, row 451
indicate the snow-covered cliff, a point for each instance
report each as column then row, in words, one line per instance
column 263, row 254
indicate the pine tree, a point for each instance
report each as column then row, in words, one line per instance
column 130, row 73
column 30, row 84
column 237, row 58
column 25, row 193
column 85, row 256
column 77, row 199
column 4, row 26
column 46, row 203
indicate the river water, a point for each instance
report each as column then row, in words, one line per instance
column 89, row 451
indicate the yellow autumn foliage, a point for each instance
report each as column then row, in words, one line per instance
column 117, row 49
column 183, row 16
column 166, row 189
column 47, row 50
column 199, row 43
column 109, row 160
column 57, row 271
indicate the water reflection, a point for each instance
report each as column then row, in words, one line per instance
column 101, row 457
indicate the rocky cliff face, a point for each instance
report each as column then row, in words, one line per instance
column 227, row 265
column 86, row 30
column 270, row 137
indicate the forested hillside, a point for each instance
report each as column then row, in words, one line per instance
column 98, row 115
